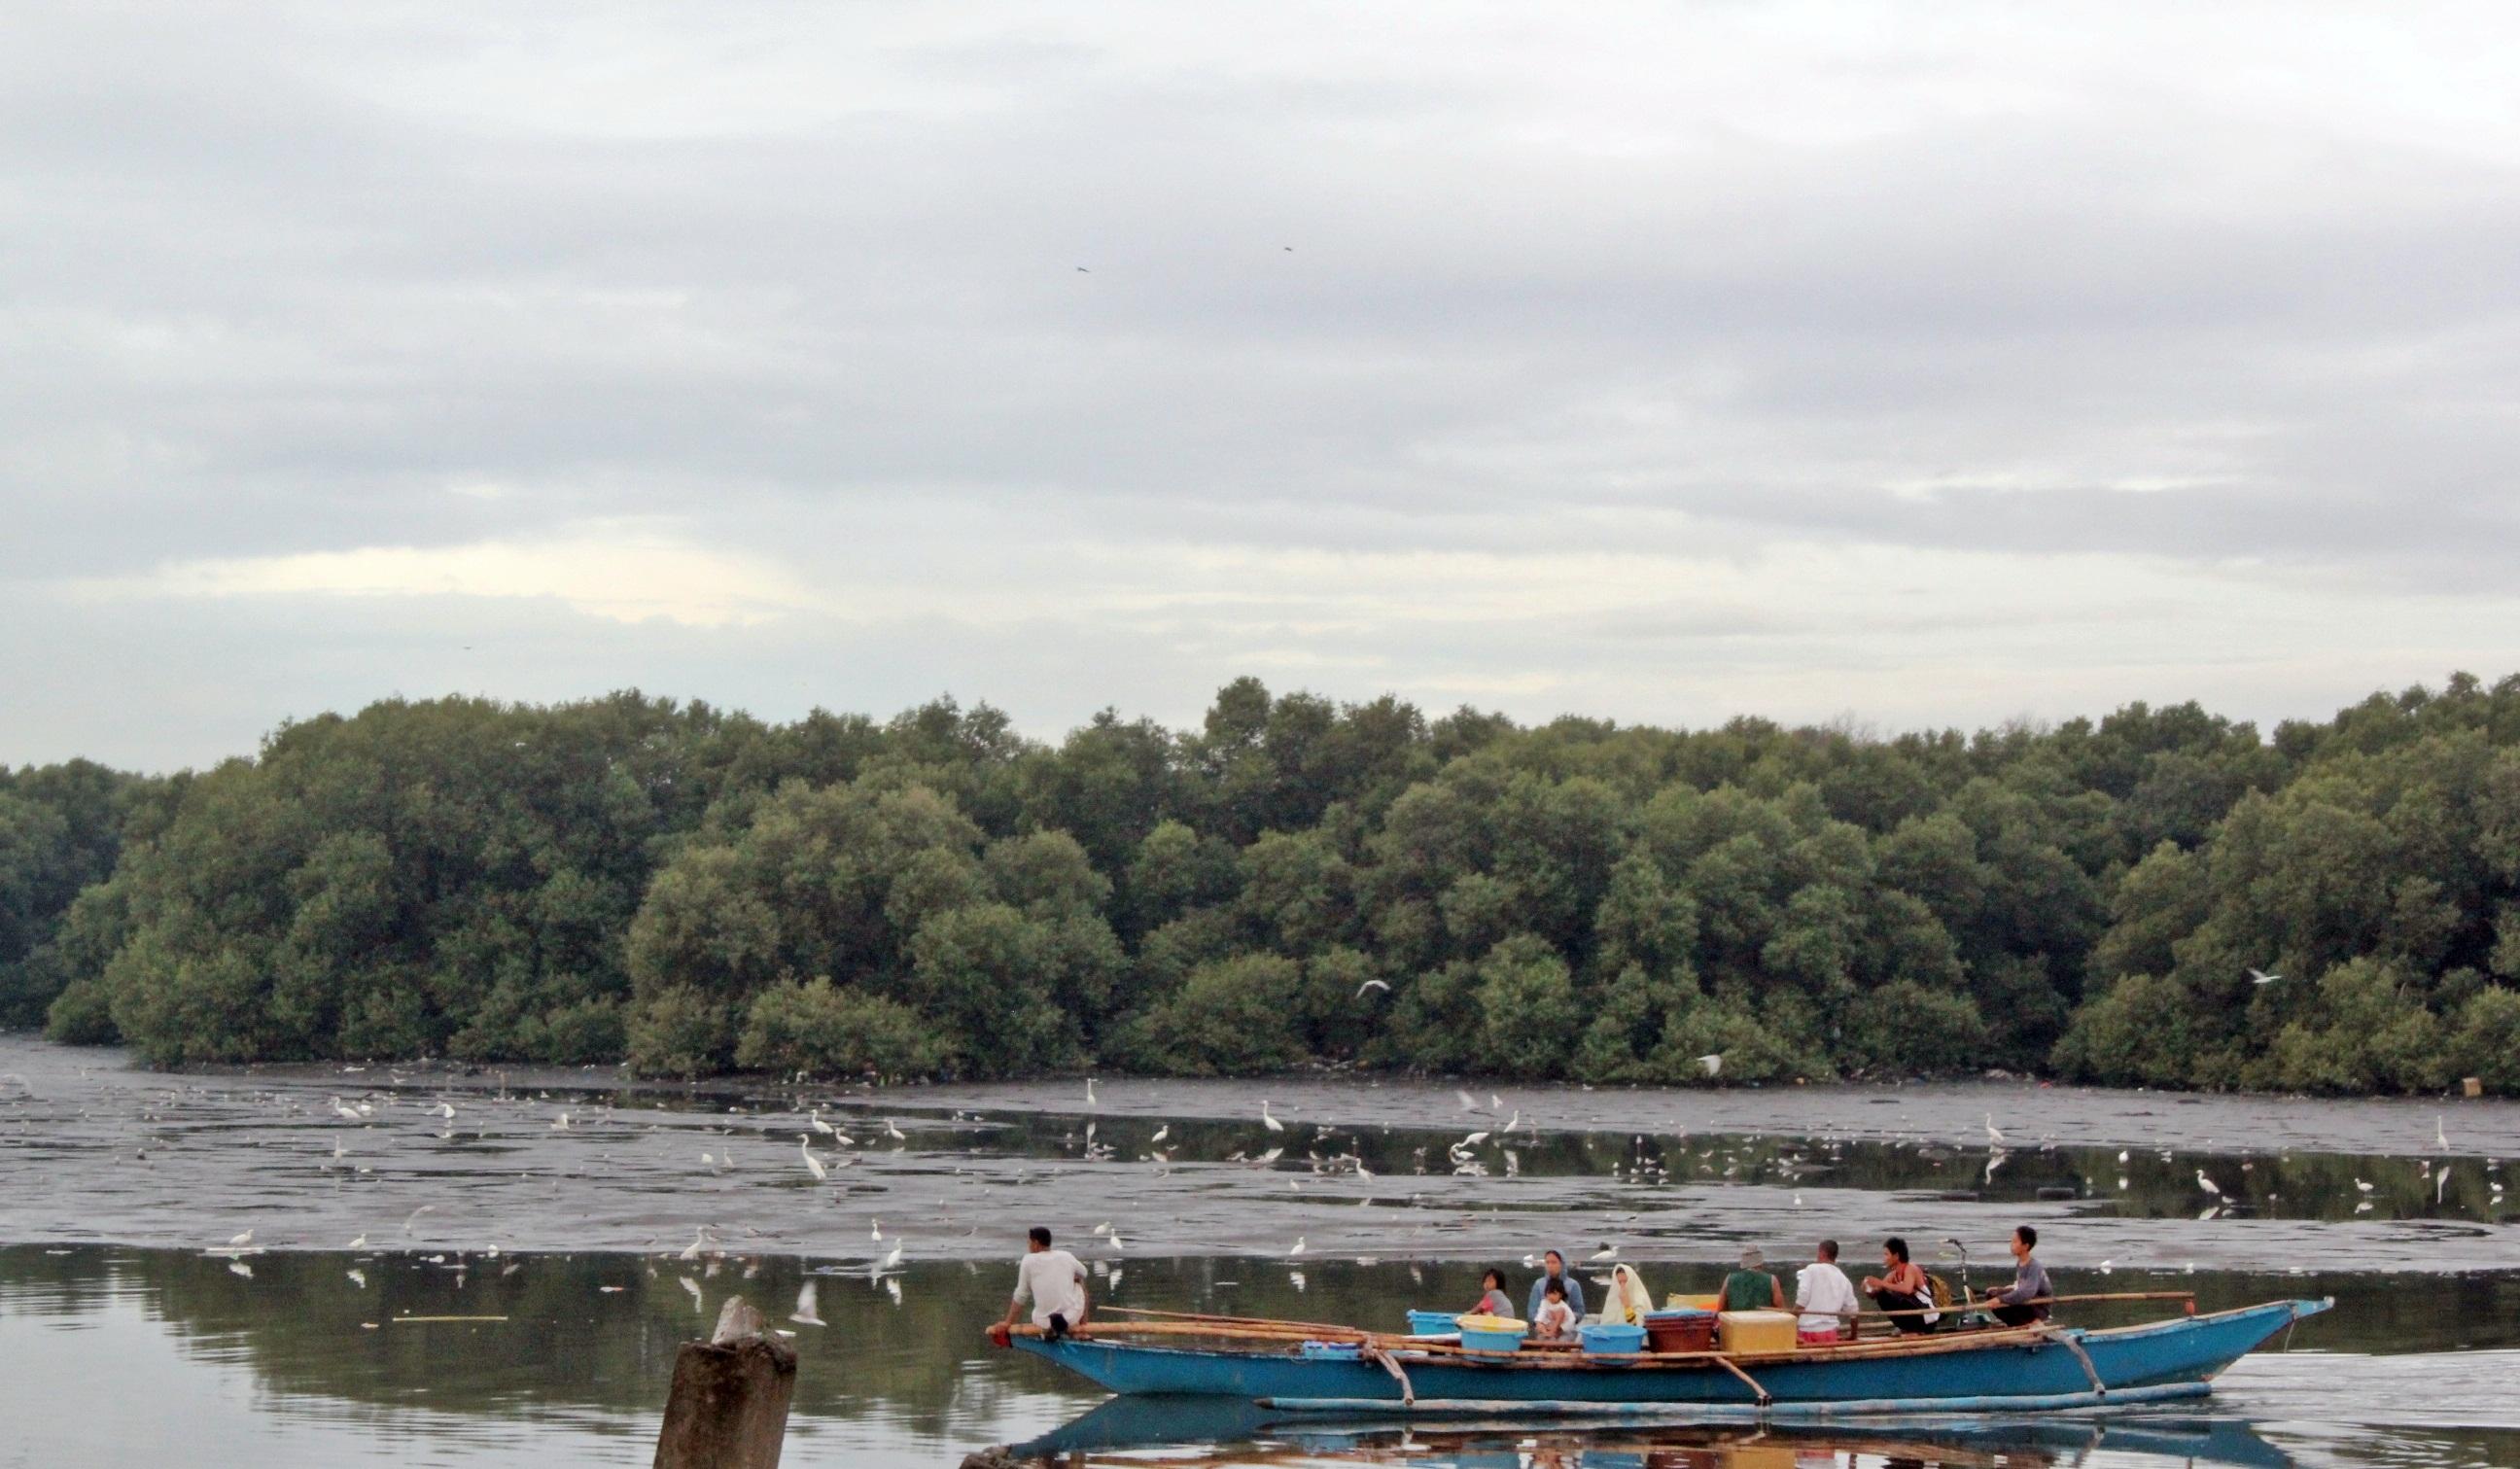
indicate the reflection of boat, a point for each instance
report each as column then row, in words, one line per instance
column 2008, row 1369
column 1125, row 1424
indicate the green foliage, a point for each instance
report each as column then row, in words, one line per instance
column 1905, row 1029
column 1296, row 880
column 1232, row 1017
column 680, row 1031
column 817, row 1029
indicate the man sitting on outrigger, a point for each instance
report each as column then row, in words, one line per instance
column 2025, row 1300
column 1903, row 1292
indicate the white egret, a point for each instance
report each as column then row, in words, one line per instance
column 806, row 1312
column 2208, row 1185
column 1269, row 1121
column 2258, row 976
column 1372, row 984
column 1299, row 1249
column 813, row 1165
column 1712, row 1064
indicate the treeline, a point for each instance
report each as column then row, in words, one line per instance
column 693, row 890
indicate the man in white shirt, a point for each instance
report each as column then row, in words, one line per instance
column 1053, row 1281
column 1825, row 1298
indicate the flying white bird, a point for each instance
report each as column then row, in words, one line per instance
column 806, row 1312
column 1469, row 1103
column 1269, row 1121
column 813, row 1165
column 1712, row 1064
column 2258, row 976
column 1372, row 984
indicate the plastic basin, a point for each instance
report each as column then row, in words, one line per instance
column 1612, row 1337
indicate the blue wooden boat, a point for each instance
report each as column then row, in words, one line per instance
column 2001, row 1369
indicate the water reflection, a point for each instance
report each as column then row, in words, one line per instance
column 563, row 1360
column 1243, row 1434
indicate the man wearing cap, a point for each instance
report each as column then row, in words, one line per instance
column 1752, row 1288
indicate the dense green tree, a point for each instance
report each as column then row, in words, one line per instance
column 1295, row 879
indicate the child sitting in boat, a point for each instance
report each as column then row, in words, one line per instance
column 1556, row 1320
column 1494, row 1303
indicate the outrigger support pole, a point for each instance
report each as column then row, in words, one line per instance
column 1728, row 1365
column 1408, row 1394
column 2066, row 1340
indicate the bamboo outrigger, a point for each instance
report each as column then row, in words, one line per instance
column 2017, row 1368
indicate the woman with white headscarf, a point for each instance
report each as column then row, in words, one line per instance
column 1629, row 1301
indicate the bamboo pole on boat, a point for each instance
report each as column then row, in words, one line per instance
column 1979, row 1301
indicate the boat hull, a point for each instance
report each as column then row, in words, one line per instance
column 2164, row 1359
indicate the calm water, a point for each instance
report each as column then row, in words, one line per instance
column 290, row 1360
column 120, row 1189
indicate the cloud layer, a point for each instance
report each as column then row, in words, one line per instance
column 1647, row 362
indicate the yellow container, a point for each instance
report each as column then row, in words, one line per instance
column 1678, row 1302
column 1755, row 1330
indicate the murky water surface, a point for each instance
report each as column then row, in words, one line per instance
column 149, row 1337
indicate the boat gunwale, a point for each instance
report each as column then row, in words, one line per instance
column 1981, row 1338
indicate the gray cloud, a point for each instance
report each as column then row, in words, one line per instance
column 2123, row 352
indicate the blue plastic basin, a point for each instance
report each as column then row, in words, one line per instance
column 1431, row 1323
column 1613, row 1337
column 1492, row 1340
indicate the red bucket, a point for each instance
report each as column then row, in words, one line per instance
column 1680, row 1332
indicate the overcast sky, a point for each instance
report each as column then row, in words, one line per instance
column 1928, row 365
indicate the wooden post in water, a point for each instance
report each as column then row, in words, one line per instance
column 729, row 1405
